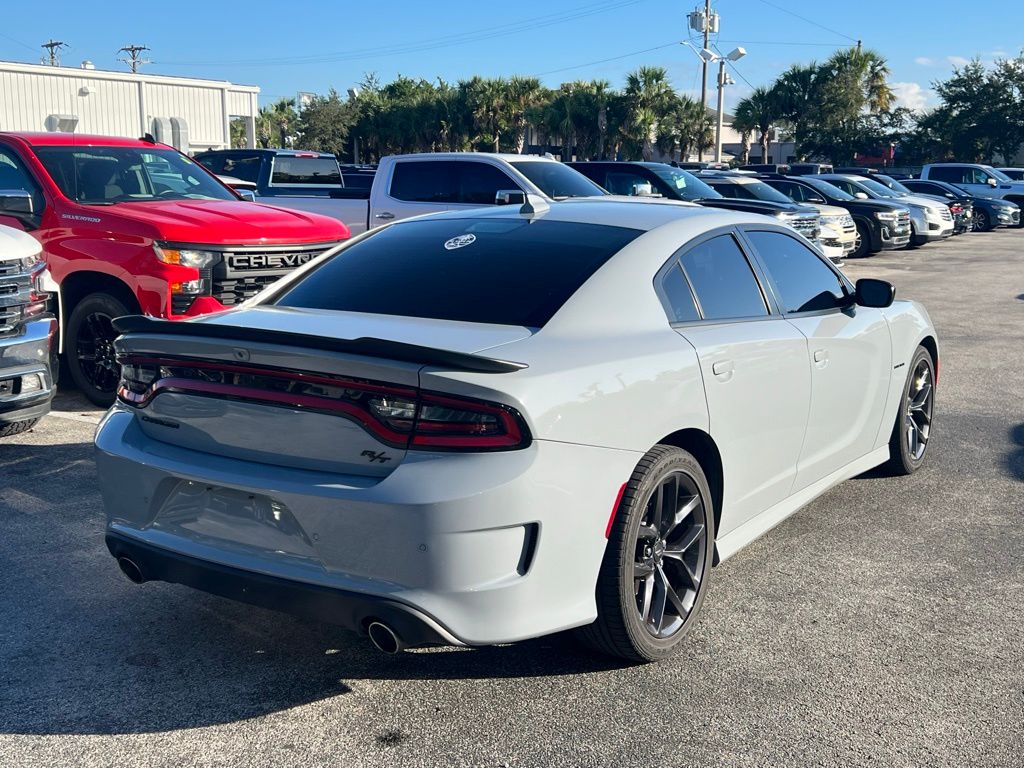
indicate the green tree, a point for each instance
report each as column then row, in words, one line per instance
column 761, row 110
column 324, row 123
column 275, row 123
column 649, row 100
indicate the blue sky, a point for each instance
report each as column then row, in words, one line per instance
column 285, row 47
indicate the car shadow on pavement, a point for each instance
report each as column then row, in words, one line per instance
column 84, row 651
column 1015, row 460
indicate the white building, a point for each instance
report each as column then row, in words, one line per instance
column 188, row 113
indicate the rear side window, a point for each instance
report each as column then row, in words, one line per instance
column 244, row 167
column 425, row 181
column 626, row 183
column 496, row 271
column 677, row 297
column 305, row 171
column 805, row 282
column 721, row 276
column 952, row 174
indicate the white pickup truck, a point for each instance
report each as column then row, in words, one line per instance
column 410, row 185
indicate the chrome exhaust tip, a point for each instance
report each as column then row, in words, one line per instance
column 384, row 638
column 131, row 570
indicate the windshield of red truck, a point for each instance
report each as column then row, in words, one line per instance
column 110, row 175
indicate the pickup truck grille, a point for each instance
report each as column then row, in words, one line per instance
column 245, row 271
column 15, row 287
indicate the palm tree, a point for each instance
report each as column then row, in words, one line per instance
column 649, row 97
column 686, row 126
column 800, row 97
column 274, row 122
column 762, row 109
column 743, row 124
column 522, row 95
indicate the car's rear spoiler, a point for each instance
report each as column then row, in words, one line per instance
column 366, row 346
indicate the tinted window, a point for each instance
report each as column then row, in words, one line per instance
column 307, row 171
column 805, row 283
column 108, row 175
column 846, row 186
column 829, row 190
column 212, row 163
column 733, row 190
column 686, row 184
column 556, row 180
column 677, row 296
column 13, row 175
column 928, row 189
column 628, row 183
column 501, row 271
column 244, row 167
column 480, row 182
column 953, row 174
column 425, row 181
column 722, row 278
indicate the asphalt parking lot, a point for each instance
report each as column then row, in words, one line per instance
column 883, row 624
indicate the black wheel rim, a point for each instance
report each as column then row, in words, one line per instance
column 980, row 221
column 918, row 413
column 94, row 346
column 669, row 556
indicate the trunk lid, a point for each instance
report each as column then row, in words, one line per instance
column 300, row 388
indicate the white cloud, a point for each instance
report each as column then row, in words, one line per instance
column 958, row 61
column 924, row 61
column 911, row 95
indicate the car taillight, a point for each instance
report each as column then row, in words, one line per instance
column 402, row 417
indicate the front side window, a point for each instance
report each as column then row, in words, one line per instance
column 499, row 271
column 723, row 280
column 479, row 183
column 425, row 181
column 733, row 190
column 14, row 176
column 110, row 175
column 805, row 282
column 556, row 180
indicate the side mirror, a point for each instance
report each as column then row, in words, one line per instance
column 510, row 197
column 246, row 194
column 874, row 293
column 16, row 202
column 991, row 182
column 816, row 200
column 861, row 195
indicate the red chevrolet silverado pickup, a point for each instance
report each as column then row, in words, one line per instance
column 131, row 226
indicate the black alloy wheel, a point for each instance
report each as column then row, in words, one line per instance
column 982, row 222
column 89, row 347
column 658, row 559
column 912, row 431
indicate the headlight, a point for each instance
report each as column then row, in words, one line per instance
column 886, row 215
column 185, row 257
column 30, row 262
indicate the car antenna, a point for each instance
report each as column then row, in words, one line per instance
column 148, row 138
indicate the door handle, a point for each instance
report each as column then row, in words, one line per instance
column 821, row 357
column 723, row 369
column 385, row 215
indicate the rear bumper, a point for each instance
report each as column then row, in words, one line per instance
column 334, row 606
column 482, row 548
column 25, row 358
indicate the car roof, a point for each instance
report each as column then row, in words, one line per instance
column 58, row 139
column 506, row 156
column 633, row 213
column 267, row 151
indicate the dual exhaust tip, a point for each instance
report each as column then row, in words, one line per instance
column 383, row 637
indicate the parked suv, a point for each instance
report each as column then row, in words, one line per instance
column 130, row 226
column 881, row 225
column 645, row 179
column 976, row 179
column 26, row 327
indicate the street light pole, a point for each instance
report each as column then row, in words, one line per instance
column 721, row 110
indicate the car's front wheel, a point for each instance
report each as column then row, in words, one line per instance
column 982, row 222
column 912, row 431
column 656, row 567
column 862, row 245
column 89, row 346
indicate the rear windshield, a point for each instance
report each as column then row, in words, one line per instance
column 320, row 171
column 496, row 271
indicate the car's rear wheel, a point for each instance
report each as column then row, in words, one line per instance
column 656, row 567
column 862, row 245
column 89, row 347
column 912, row 431
column 982, row 222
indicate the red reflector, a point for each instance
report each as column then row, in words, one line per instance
column 615, row 509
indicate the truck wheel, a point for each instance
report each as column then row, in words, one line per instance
column 17, row 427
column 89, row 347
column 658, row 559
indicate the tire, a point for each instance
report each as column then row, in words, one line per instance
column 89, row 347
column 637, row 619
column 17, row 427
column 982, row 222
column 863, row 246
column 911, row 433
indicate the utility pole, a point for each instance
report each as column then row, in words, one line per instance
column 53, row 51
column 134, row 59
column 705, row 22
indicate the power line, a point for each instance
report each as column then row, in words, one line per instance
column 18, row 42
column 777, row 42
column 809, row 21
column 52, row 48
column 612, row 58
column 489, row 33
